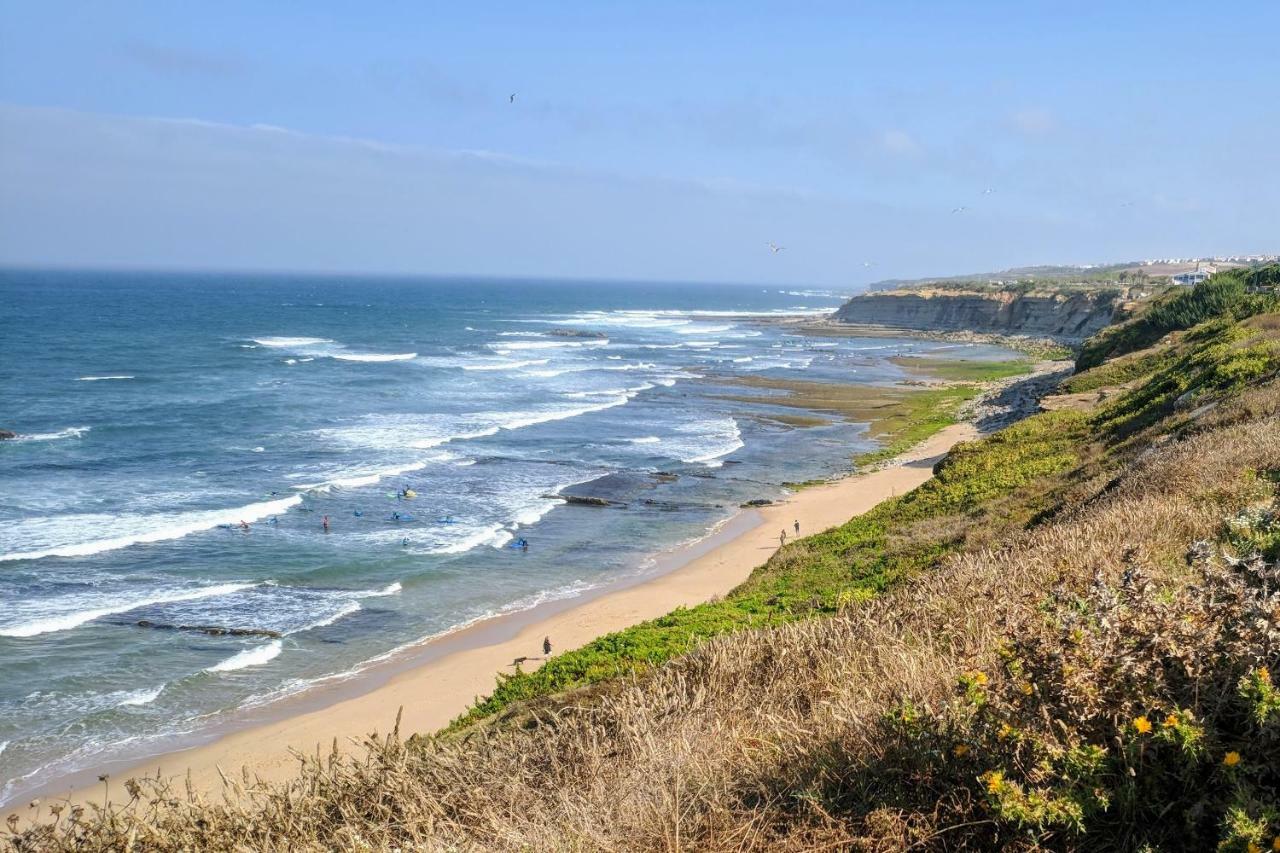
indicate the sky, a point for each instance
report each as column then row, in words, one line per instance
column 646, row 140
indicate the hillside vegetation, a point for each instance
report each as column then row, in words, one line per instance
column 1065, row 640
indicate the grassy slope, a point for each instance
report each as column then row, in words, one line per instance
column 1068, row 669
column 819, row 574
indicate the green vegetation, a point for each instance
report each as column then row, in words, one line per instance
column 899, row 418
column 822, row 573
column 962, row 369
column 1118, row 371
column 1228, row 295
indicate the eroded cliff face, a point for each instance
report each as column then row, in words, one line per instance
column 1066, row 315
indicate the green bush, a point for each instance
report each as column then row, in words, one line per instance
column 1228, row 295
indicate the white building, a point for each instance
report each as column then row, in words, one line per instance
column 1190, row 279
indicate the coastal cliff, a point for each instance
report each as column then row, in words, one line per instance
column 1065, row 314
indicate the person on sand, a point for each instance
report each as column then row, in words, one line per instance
column 782, row 538
column 797, row 527
column 546, row 646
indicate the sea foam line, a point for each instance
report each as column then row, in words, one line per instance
column 67, row 621
column 178, row 527
column 69, row 432
column 255, row 656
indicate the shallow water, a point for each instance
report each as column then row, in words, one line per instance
column 158, row 412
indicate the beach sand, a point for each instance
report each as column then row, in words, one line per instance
column 445, row 676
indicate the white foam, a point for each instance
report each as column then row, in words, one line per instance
column 505, row 364
column 67, row 620
column 390, row 589
column 147, row 528
column 546, row 416
column 342, row 612
column 375, row 356
column 723, row 438
column 647, row 439
column 291, row 342
column 100, row 378
column 143, row 696
column 69, row 432
column 557, row 344
column 255, row 656
column 354, row 480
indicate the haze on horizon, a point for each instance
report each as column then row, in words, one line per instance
column 645, row 141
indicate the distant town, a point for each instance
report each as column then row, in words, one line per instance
column 1153, row 272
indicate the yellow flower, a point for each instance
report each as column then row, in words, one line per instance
column 1171, row 721
column 1264, row 674
column 1026, row 688
column 1253, row 847
column 1275, row 843
column 1231, row 759
column 978, row 678
column 960, row 750
column 994, row 779
column 1006, row 731
column 1142, row 725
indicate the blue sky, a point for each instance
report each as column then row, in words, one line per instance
column 647, row 140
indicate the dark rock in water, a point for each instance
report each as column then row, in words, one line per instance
column 575, row 333
column 211, row 630
column 4, row 434
column 665, row 476
column 586, row 500
column 759, row 502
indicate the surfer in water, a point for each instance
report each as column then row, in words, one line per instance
column 244, row 525
column 324, row 522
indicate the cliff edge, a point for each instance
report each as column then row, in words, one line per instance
column 1067, row 314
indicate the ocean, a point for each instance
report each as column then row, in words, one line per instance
column 183, row 439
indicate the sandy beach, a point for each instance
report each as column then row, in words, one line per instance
column 438, row 680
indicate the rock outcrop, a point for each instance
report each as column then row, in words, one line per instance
column 1065, row 314
column 4, row 434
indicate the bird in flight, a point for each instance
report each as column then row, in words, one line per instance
column 775, row 248
column 960, row 209
column 988, row 191
column 512, row 98
column 868, row 263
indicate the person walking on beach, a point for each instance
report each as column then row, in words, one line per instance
column 546, row 646
column 782, row 537
column 797, row 527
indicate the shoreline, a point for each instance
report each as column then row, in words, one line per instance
column 437, row 679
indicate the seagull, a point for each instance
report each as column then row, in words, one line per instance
column 988, row 191
column 960, row 209
column 868, row 263
column 775, row 248
column 512, row 98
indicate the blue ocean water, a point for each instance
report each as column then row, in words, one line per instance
column 157, row 412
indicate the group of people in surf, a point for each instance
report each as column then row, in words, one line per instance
column 405, row 493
